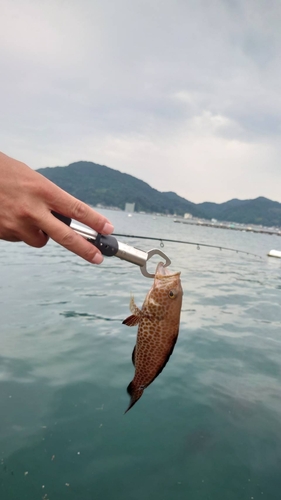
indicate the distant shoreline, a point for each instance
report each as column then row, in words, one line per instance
column 236, row 227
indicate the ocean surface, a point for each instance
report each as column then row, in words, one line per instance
column 208, row 428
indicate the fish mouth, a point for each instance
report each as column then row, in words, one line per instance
column 163, row 272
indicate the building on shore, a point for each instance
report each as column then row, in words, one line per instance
column 130, row 207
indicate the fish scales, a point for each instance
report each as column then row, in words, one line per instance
column 158, row 327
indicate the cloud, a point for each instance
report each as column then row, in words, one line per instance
column 185, row 95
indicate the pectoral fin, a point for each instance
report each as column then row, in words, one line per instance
column 131, row 320
column 133, row 307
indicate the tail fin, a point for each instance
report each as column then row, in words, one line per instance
column 135, row 394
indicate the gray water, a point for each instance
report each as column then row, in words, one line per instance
column 209, row 427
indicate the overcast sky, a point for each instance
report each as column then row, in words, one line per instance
column 183, row 94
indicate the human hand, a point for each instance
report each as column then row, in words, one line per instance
column 26, row 201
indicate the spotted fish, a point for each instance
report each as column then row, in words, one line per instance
column 158, row 328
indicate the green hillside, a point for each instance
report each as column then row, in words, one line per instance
column 94, row 184
column 258, row 211
column 97, row 184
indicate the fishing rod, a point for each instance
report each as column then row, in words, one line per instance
column 198, row 245
column 110, row 246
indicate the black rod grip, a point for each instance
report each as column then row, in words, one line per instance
column 107, row 245
column 62, row 218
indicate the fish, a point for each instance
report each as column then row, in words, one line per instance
column 158, row 328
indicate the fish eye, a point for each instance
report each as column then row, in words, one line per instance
column 172, row 294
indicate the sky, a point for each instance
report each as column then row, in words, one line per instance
column 183, row 94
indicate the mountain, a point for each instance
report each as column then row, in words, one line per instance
column 258, row 211
column 97, row 184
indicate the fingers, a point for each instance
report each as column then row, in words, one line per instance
column 29, row 234
column 81, row 212
column 69, row 206
column 30, row 217
column 70, row 240
column 11, row 238
column 35, row 238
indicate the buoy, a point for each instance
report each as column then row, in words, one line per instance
column 274, row 253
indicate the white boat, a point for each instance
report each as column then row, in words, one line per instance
column 274, row 253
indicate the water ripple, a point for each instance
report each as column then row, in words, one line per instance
column 207, row 428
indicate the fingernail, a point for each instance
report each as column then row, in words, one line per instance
column 98, row 258
column 107, row 228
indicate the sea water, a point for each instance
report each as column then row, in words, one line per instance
column 208, row 428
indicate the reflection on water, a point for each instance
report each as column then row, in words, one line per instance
column 210, row 425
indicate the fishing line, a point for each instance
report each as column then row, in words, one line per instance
column 198, row 245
